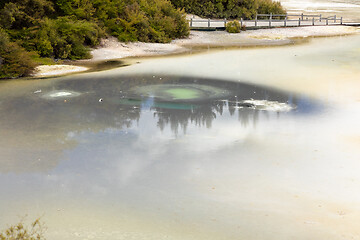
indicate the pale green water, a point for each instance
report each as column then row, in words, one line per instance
column 182, row 93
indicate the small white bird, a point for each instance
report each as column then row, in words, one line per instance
column 100, row 100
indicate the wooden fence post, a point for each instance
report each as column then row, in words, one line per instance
column 208, row 22
column 270, row 19
column 299, row 22
column 313, row 21
column 225, row 22
column 256, row 20
column 191, row 22
column 334, row 18
column 341, row 22
column 327, row 21
column 302, row 16
column 320, row 17
column 285, row 20
column 241, row 22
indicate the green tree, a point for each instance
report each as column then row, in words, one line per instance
column 66, row 37
column 246, row 9
column 14, row 60
column 18, row 14
column 67, row 28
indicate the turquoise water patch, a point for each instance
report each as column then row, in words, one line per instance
column 180, row 92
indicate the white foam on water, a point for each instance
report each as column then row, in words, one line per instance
column 60, row 94
column 266, row 105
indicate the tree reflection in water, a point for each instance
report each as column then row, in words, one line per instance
column 40, row 126
column 121, row 107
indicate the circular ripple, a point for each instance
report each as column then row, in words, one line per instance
column 60, row 94
column 181, row 92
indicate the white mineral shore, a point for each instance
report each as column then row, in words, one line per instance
column 111, row 48
column 53, row 70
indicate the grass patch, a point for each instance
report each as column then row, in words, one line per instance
column 20, row 231
column 43, row 60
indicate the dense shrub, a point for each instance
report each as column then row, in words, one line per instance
column 233, row 27
column 66, row 38
column 14, row 60
column 246, row 9
column 66, row 28
column 146, row 21
column 268, row 6
column 130, row 20
column 19, row 14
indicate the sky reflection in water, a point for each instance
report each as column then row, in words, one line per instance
column 159, row 161
column 45, row 123
column 120, row 141
column 138, row 167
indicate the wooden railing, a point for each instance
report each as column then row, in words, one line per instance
column 270, row 20
column 299, row 18
column 208, row 21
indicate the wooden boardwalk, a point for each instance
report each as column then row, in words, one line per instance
column 268, row 21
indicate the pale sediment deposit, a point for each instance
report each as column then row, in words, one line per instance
column 53, row 70
column 111, row 48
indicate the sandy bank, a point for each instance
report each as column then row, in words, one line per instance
column 266, row 36
column 53, row 70
column 111, row 48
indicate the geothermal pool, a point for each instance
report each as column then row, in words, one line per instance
column 226, row 144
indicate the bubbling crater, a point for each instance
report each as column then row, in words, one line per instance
column 180, row 92
column 58, row 94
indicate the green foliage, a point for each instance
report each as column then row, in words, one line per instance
column 233, row 27
column 81, row 9
column 35, row 57
column 19, row 14
column 14, row 60
column 64, row 29
column 246, row 9
column 130, row 20
column 20, row 232
column 66, row 37
column 268, row 6
column 142, row 20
